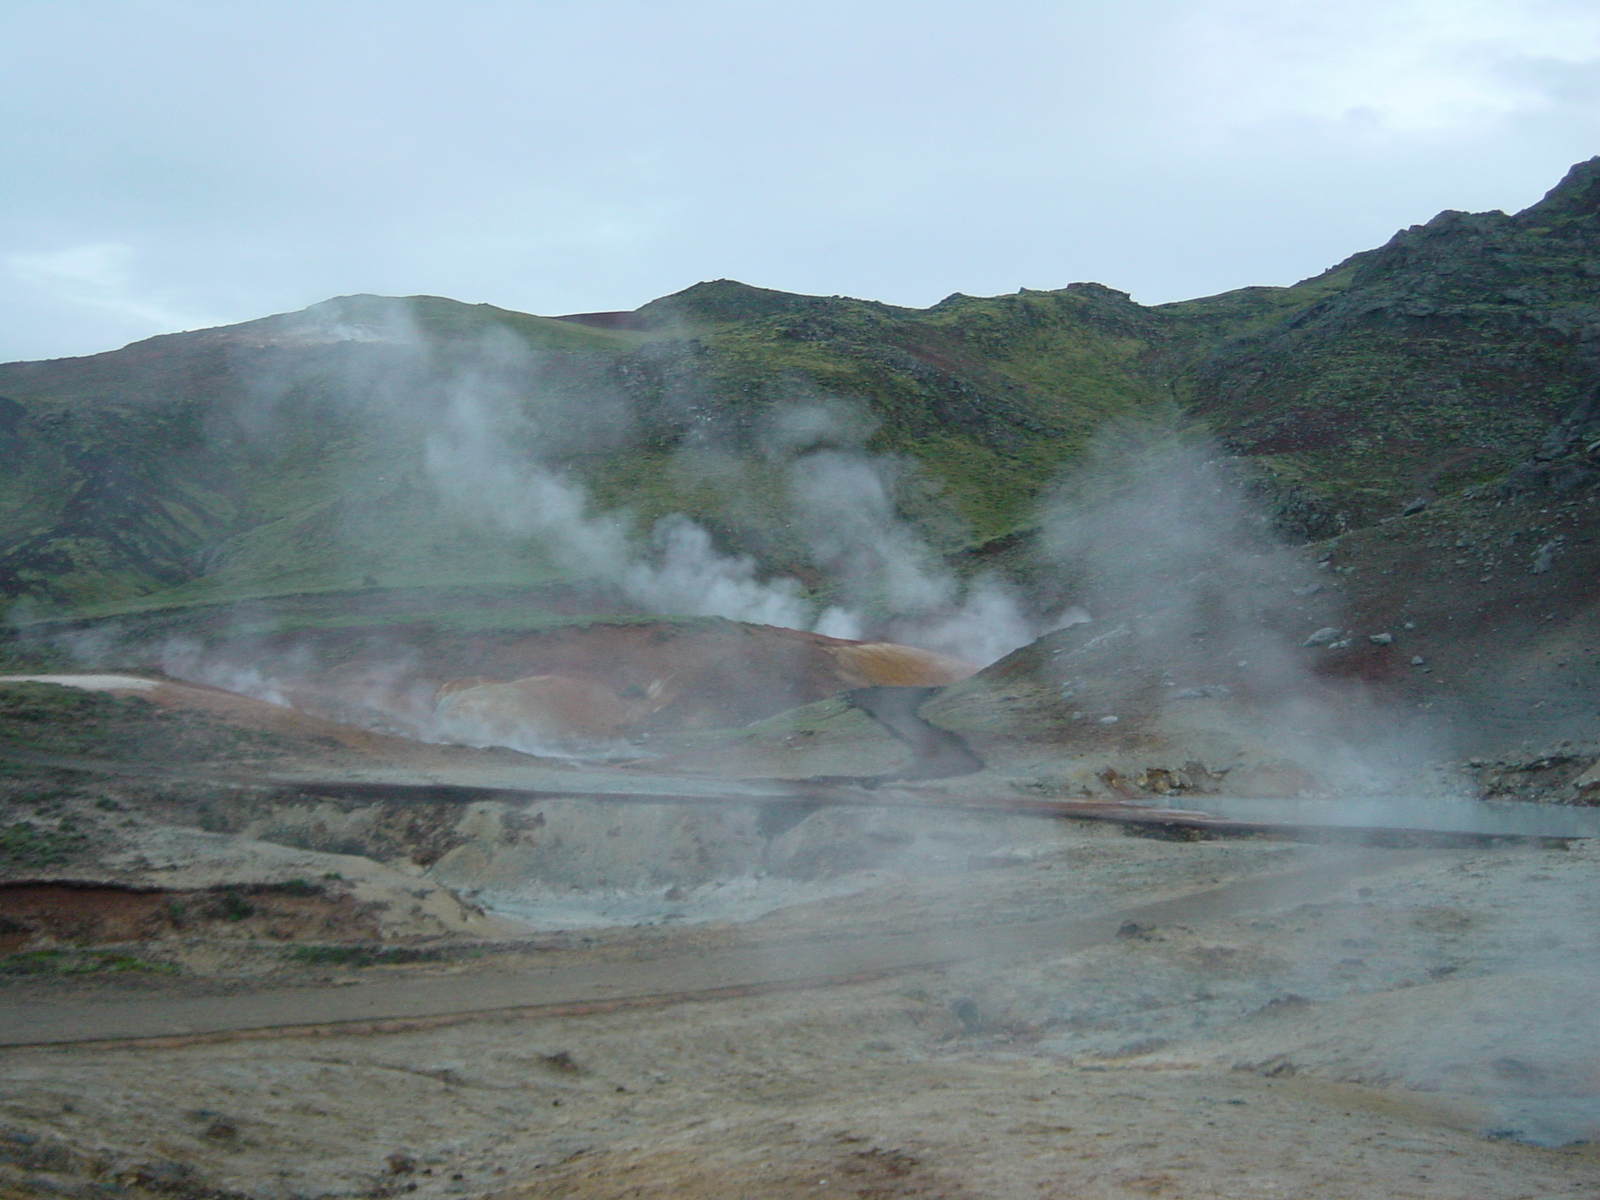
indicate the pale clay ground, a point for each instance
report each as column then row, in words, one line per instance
column 1409, row 1040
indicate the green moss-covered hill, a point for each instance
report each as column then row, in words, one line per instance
column 372, row 442
column 1458, row 351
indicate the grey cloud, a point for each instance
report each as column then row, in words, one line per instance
column 553, row 158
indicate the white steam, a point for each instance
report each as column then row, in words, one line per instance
column 187, row 658
column 1192, row 599
column 885, row 577
column 1155, row 530
column 845, row 503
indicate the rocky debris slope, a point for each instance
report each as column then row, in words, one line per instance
column 1451, row 650
column 1450, row 355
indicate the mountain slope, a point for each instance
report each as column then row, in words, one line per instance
column 306, row 451
column 1448, row 357
column 375, row 442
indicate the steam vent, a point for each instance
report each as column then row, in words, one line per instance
column 790, row 746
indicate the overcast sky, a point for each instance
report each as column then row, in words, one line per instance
column 175, row 165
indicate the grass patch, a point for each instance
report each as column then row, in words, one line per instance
column 80, row 962
column 359, row 956
column 52, row 719
column 230, row 906
column 294, row 887
column 23, row 844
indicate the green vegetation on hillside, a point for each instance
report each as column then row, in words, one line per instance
column 423, row 445
column 45, row 718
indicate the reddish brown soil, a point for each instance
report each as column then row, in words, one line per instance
column 720, row 672
column 249, row 713
column 1506, row 644
column 82, row 914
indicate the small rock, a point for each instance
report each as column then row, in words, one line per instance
column 1322, row 637
column 965, row 1010
column 165, row 1176
column 400, row 1164
column 1202, row 692
column 1108, row 720
column 1288, row 1002
column 563, row 1062
column 1416, row 506
column 1417, row 660
column 1380, row 639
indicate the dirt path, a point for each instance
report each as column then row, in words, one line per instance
column 668, row 974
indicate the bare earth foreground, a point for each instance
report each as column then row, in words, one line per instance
column 247, row 952
column 1375, row 1023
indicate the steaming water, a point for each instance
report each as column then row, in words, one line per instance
column 1508, row 818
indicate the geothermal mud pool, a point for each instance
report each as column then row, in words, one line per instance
column 256, row 951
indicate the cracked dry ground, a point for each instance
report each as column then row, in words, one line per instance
column 1410, row 1033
